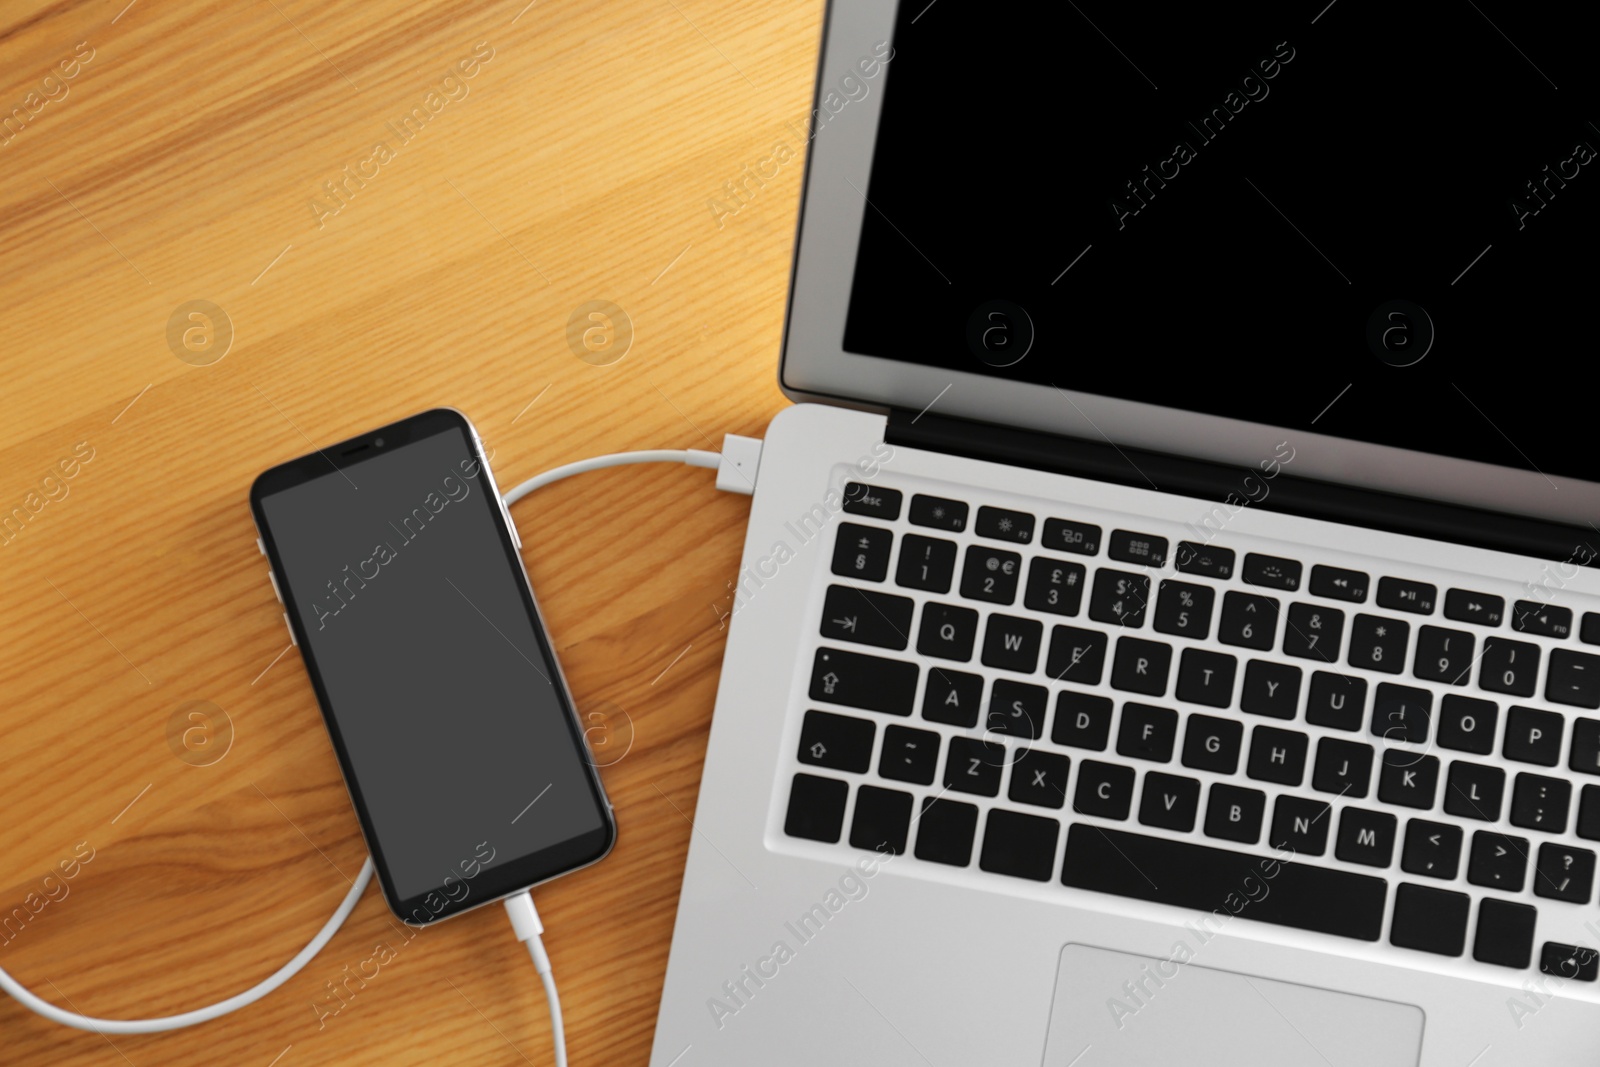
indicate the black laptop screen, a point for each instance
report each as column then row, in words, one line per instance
column 1376, row 220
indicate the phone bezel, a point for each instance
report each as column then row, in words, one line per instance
column 505, row 879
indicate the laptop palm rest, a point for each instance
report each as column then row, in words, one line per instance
column 1113, row 1009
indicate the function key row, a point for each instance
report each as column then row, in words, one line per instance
column 1003, row 524
column 1212, row 561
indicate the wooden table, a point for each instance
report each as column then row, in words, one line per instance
column 225, row 151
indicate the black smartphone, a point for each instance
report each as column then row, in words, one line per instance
column 397, row 564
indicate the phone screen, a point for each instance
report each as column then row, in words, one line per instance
column 452, row 724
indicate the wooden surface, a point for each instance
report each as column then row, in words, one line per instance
column 180, row 163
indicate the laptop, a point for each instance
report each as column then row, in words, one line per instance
column 1168, row 628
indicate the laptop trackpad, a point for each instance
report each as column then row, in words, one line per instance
column 1114, row 1009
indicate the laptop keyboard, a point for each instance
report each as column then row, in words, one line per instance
column 1045, row 699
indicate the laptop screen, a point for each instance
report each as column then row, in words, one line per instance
column 1373, row 220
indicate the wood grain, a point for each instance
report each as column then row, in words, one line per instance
column 181, row 163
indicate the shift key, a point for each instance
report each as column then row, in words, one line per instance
column 868, row 682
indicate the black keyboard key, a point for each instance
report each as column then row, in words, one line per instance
column 1505, row 933
column 1017, row 709
column 1012, row 644
column 1342, row 767
column 1119, row 598
column 1234, row 814
column 1270, row 689
column 1169, row 801
column 1275, row 572
column 1533, row 736
column 1399, row 594
column 873, row 501
column 974, row 766
column 944, row 831
column 1077, row 656
column 1039, row 778
column 1444, row 655
column 1336, row 583
column 859, row 681
column 1429, row 920
column 1477, row 608
column 1055, row 586
column 1200, row 877
column 1104, row 789
column 1498, row 861
column 1249, row 621
column 1277, row 755
column 1366, row 837
column 882, row 821
column 816, row 808
column 1379, row 644
column 866, row 617
column 1589, row 632
column 990, row 574
column 1407, row 779
column 862, row 552
column 908, row 755
column 1004, row 525
column 1212, row 744
column 1432, row 849
column 1467, row 724
column 1401, row 712
column 1589, row 813
column 1541, row 803
column 1063, row 536
column 1209, row 560
column 1141, row 666
column 1206, row 677
column 1125, row 546
column 947, row 632
column 1564, row 873
column 1569, row 961
column 1023, row 846
column 1474, row 791
column 1314, row 632
column 1147, row 732
column 1300, row 825
column 1184, row 609
column 926, row 563
column 1338, row 701
column 1585, row 755
column 952, row 697
column 1509, row 666
column 1574, row 679
column 838, row 742
column 1532, row 617
column 938, row 513
column 1083, row 720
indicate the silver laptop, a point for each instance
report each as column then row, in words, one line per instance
column 1168, row 628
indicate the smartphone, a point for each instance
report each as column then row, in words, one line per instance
column 398, row 567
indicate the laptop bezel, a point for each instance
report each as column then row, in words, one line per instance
column 841, row 135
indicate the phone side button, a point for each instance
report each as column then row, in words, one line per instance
column 261, row 546
column 286, row 625
column 275, row 590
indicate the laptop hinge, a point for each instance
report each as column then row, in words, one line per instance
column 1226, row 484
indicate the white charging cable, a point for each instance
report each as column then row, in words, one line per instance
column 530, row 931
column 200, row 1015
column 736, row 468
